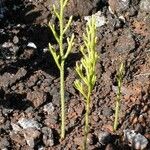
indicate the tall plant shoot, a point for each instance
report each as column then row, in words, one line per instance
column 61, row 56
column 120, row 75
column 86, row 71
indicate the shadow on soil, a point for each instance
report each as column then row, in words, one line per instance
column 20, row 22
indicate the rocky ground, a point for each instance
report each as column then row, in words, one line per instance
column 29, row 78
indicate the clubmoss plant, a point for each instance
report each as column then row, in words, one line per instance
column 61, row 56
column 86, row 71
column 120, row 75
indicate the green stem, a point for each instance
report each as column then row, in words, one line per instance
column 61, row 28
column 62, row 91
column 117, row 108
column 116, row 113
column 86, row 128
column 62, row 87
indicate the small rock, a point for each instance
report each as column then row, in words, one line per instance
column 145, row 5
column 31, row 136
column 51, row 120
column 118, row 6
column 16, row 128
column 6, row 126
column 125, row 43
column 32, row 45
column 29, row 123
column 136, row 140
column 8, row 79
column 48, row 138
column 7, row 45
column 45, row 50
column 37, row 97
column 17, row 138
column 104, row 138
column 4, row 143
column 15, row 40
column 2, row 118
column 49, row 108
column 100, row 19
column 107, row 112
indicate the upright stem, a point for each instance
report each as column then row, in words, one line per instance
column 61, row 29
column 62, row 87
column 116, row 113
column 117, row 108
column 86, row 128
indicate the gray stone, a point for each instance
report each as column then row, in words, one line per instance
column 31, row 136
column 107, row 112
column 7, row 45
column 4, row 143
column 145, row 5
column 125, row 42
column 118, row 6
column 100, row 19
column 2, row 118
column 104, row 138
column 49, row 108
column 16, row 128
column 37, row 97
column 48, row 138
column 32, row 45
column 136, row 140
column 15, row 40
column 29, row 123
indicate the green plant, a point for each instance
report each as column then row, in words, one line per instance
column 63, row 54
column 86, row 71
column 120, row 75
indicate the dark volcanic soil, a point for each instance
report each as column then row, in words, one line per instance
column 29, row 78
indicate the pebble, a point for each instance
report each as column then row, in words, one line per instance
column 125, row 42
column 145, row 5
column 29, row 123
column 31, row 136
column 136, row 140
column 37, row 97
column 104, row 138
column 118, row 6
column 16, row 128
column 7, row 45
column 107, row 112
column 48, row 137
column 15, row 40
column 100, row 19
column 32, row 45
column 17, row 137
column 2, row 118
column 49, row 108
column 4, row 143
